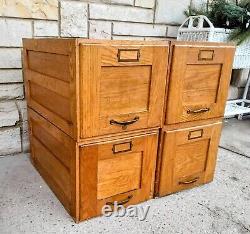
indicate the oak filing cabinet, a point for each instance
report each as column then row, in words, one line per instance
column 199, row 77
column 100, row 111
column 95, row 109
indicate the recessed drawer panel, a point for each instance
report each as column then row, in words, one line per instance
column 200, row 84
column 188, row 157
column 124, row 90
column 118, row 175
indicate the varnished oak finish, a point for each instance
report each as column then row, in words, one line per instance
column 188, row 157
column 54, row 154
column 85, row 176
column 199, row 78
column 116, row 171
column 96, row 108
column 50, row 75
column 91, row 88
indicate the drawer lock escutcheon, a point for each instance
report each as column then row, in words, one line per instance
column 124, row 124
column 190, row 181
column 122, row 202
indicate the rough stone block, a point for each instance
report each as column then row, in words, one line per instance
column 170, row 11
column 25, row 137
column 121, row 2
column 99, row 29
column 128, row 38
column 172, row 31
column 135, row 29
column 11, row 76
column 11, row 91
column 22, row 108
column 10, row 58
column 74, row 19
column 8, row 114
column 10, row 141
column 38, row 9
column 45, row 28
column 200, row 3
column 13, row 30
column 124, row 2
column 145, row 3
column 155, row 38
column 121, row 13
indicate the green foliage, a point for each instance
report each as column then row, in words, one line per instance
column 245, row 4
column 225, row 14
column 239, row 36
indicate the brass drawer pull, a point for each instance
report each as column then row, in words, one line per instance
column 190, row 181
column 124, row 124
column 120, row 202
column 203, row 110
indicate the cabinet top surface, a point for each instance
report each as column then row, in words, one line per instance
column 30, row 42
column 77, row 41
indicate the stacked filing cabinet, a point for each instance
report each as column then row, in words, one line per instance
column 95, row 109
column 199, row 77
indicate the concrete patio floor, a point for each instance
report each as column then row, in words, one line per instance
column 236, row 136
column 27, row 205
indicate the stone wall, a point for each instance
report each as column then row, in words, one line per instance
column 109, row 19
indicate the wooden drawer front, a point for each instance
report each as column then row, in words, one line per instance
column 188, row 157
column 122, row 88
column 121, row 171
column 199, row 81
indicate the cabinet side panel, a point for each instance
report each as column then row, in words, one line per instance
column 54, row 156
column 50, row 82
